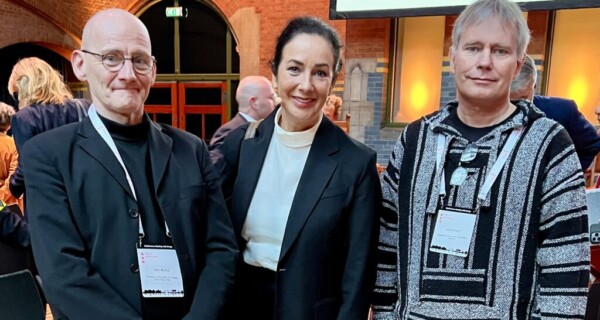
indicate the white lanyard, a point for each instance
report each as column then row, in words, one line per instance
column 101, row 128
column 494, row 172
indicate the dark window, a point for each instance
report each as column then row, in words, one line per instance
column 159, row 96
column 161, row 31
column 203, row 40
column 203, row 96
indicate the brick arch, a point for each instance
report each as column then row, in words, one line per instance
column 224, row 8
column 58, row 48
column 62, row 51
column 236, row 23
column 29, row 19
column 226, row 15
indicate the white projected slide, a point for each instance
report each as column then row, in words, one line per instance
column 345, row 9
column 362, row 5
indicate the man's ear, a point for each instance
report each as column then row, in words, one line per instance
column 274, row 82
column 252, row 102
column 78, row 63
column 520, row 63
column 153, row 74
column 451, row 58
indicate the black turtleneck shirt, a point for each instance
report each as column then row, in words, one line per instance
column 132, row 143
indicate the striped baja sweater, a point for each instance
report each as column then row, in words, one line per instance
column 529, row 255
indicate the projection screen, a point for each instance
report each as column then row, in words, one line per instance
column 348, row 9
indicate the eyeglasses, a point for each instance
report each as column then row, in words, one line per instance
column 460, row 174
column 114, row 61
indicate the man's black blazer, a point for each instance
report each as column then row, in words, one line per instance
column 84, row 222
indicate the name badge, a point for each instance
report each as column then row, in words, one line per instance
column 453, row 233
column 160, row 273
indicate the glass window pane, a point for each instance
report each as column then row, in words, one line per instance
column 161, row 31
column 234, row 103
column 159, row 96
column 164, row 118
column 203, row 96
column 212, row 122
column 235, row 57
column 193, row 124
column 418, row 67
column 203, row 44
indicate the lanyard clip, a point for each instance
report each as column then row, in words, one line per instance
column 140, row 237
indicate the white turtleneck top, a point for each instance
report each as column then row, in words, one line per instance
column 272, row 200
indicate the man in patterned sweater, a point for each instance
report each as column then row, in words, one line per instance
column 485, row 210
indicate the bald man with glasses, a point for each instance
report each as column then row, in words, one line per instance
column 126, row 218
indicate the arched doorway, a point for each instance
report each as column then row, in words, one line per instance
column 11, row 54
column 197, row 66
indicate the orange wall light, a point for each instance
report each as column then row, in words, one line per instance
column 421, row 74
column 574, row 64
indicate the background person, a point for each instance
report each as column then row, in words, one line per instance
column 564, row 111
column 45, row 102
column 13, row 228
column 116, row 197
column 304, row 196
column 256, row 99
column 484, row 201
column 8, row 154
column 333, row 107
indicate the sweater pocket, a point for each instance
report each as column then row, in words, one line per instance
column 451, row 285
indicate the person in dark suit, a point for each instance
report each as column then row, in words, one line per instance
column 126, row 216
column 564, row 111
column 304, row 197
column 256, row 99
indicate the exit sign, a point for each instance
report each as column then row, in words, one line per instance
column 172, row 12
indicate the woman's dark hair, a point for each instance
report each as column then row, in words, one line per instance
column 308, row 25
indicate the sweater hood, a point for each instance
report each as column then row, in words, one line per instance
column 438, row 121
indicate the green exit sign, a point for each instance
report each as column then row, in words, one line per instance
column 172, row 12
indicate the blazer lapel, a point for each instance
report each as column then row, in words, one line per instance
column 92, row 143
column 252, row 155
column 160, row 151
column 317, row 172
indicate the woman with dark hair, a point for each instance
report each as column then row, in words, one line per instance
column 45, row 102
column 304, row 197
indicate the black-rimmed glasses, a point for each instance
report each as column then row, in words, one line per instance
column 114, row 61
column 460, row 174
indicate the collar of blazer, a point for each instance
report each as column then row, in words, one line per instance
column 159, row 142
column 317, row 172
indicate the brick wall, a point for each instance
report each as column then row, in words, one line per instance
column 368, row 38
column 274, row 14
column 23, row 25
column 56, row 22
column 366, row 84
